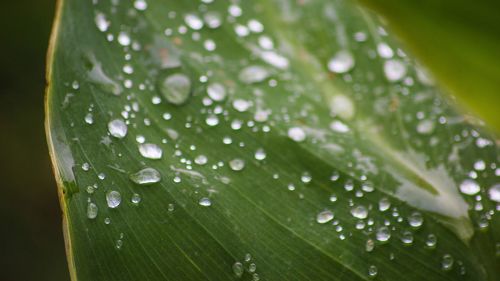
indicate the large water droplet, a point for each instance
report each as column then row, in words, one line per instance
column 469, row 187
column 324, row 217
column 494, row 193
column 117, row 128
column 416, row 219
column 113, row 198
column 146, row 176
column 150, row 151
column 176, row 88
column 342, row 62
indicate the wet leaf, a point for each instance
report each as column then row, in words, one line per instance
column 260, row 140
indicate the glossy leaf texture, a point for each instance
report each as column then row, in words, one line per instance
column 458, row 41
column 260, row 140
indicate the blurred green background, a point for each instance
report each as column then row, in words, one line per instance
column 32, row 246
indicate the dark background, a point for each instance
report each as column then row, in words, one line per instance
column 31, row 241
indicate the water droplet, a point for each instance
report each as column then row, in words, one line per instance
column 260, row 154
column 384, row 204
column 216, row 91
column 117, row 128
column 407, row 237
column 205, row 202
column 146, row 176
column 253, row 74
column 383, row 234
column 342, row 62
column 324, row 217
column 479, row 165
column 359, row 212
column 212, row 19
column 339, row 127
column 241, row 105
column 124, row 39
column 176, row 88
column 136, row 199
column 306, row 177
column 469, row 187
column 113, row 198
column 384, row 51
column 212, row 120
column 193, row 21
column 150, row 151
column 296, row 134
column 140, row 5
column 370, row 245
column 372, row 271
column 101, row 22
column 89, row 118
column 238, row 269
column 447, row 262
column 416, row 219
column 494, row 193
column 425, row 127
column 431, row 241
column 92, row 210
column 255, row 26
column 237, row 164
column 394, row 70
column 201, row 160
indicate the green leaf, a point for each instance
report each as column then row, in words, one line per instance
column 458, row 41
column 294, row 140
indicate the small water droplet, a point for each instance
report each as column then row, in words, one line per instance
column 113, row 198
column 140, row 5
column 205, row 202
column 384, row 51
column 101, row 22
column 124, row 39
column 150, row 151
column 260, row 154
column 372, row 271
column 238, row 269
column 324, row 217
column 383, row 234
column 201, row 160
column 342, row 62
column 136, row 199
column 447, row 262
column 92, row 210
column 241, row 105
column 193, row 21
column 339, row 127
column 237, row 164
column 146, row 176
column 425, row 127
column 384, row 204
column 494, row 193
column 117, row 128
column 416, row 219
column 407, row 237
column 469, row 187
column 431, row 241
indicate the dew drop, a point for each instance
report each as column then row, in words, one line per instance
column 216, row 91
column 372, row 271
column 117, row 128
column 260, row 154
column 201, row 160
column 140, row 5
column 296, row 134
column 241, row 105
column 494, row 193
column 205, row 202
column 193, row 21
column 425, row 127
column 237, row 164
column 431, row 241
column 416, row 219
column 469, row 187
column 150, row 151
column 136, row 199
column 447, row 262
column 339, row 127
column 212, row 19
column 383, row 234
column 407, row 237
column 124, row 39
column 341, row 62
column 324, row 217
column 238, row 269
column 253, row 74
column 146, row 176
column 394, row 70
column 92, row 210
column 359, row 212
column 113, row 199
column 176, row 88
column 101, row 22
